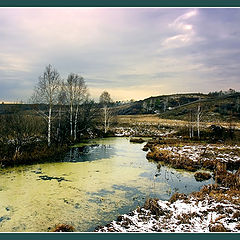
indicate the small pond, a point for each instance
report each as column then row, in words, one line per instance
column 91, row 186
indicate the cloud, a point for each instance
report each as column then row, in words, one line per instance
column 131, row 52
column 179, row 21
column 184, row 31
column 14, row 63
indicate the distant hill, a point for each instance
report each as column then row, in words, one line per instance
column 159, row 104
column 222, row 106
column 214, row 106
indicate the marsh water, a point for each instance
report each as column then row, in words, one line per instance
column 91, row 186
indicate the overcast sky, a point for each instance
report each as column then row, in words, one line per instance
column 133, row 53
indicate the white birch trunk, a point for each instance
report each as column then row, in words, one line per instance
column 198, row 130
column 49, row 125
column 71, row 120
column 198, row 120
column 190, row 130
column 75, row 124
column 59, row 124
column 105, row 119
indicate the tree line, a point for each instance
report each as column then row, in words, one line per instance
column 61, row 112
column 69, row 106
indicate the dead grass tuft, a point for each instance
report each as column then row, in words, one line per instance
column 137, row 140
column 201, row 176
column 217, row 228
column 63, row 228
column 177, row 196
column 184, row 219
column 152, row 205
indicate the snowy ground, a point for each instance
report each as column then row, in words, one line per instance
column 203, row 152
column 189, row 214
column 139, row 131
column 213, row 209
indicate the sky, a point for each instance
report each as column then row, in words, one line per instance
column 133, row 53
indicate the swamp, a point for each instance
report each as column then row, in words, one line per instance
column 89, row 187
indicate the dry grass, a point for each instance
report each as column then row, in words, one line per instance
column 137, row 140
column 63, row 228
column 148, row 119
column 166, row 156
column 152, row 205
column 177, row 196
column 218, row 193
column 155, row 120
column 202, row 155
column 201, row 176
column 225, row 178
column 217, row 228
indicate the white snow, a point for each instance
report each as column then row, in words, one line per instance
column 181, row 216
column 139, row 131
column 204, row 152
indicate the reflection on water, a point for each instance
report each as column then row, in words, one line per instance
column 91, row 187
column 89, row 153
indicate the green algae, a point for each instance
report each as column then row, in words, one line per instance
column 86, row 193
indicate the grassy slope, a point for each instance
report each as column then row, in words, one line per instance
column 214, row 109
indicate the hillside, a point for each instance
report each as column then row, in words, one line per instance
column 158, row 104
column 214, row 107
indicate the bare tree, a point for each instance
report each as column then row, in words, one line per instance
column 88, row 116
column 76, row 91
column 105, row 101
column 46, row 92
column 191, row 126
column 71, row 86
column 81, row 95
column 61, row 101
column 17, row 130
column 165, row 103
column 199, row 114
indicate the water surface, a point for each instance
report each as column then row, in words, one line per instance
column 91, row 187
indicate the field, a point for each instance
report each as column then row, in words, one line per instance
column 154, row 119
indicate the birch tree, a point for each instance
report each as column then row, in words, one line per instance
column 191, row 127
column 71, row 86
column 76, row 91
column 46, row 92
column 199, row 113
column 105, row 101
column 61, row 101
column 81, row 95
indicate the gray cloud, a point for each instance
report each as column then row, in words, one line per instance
column 133, row 53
